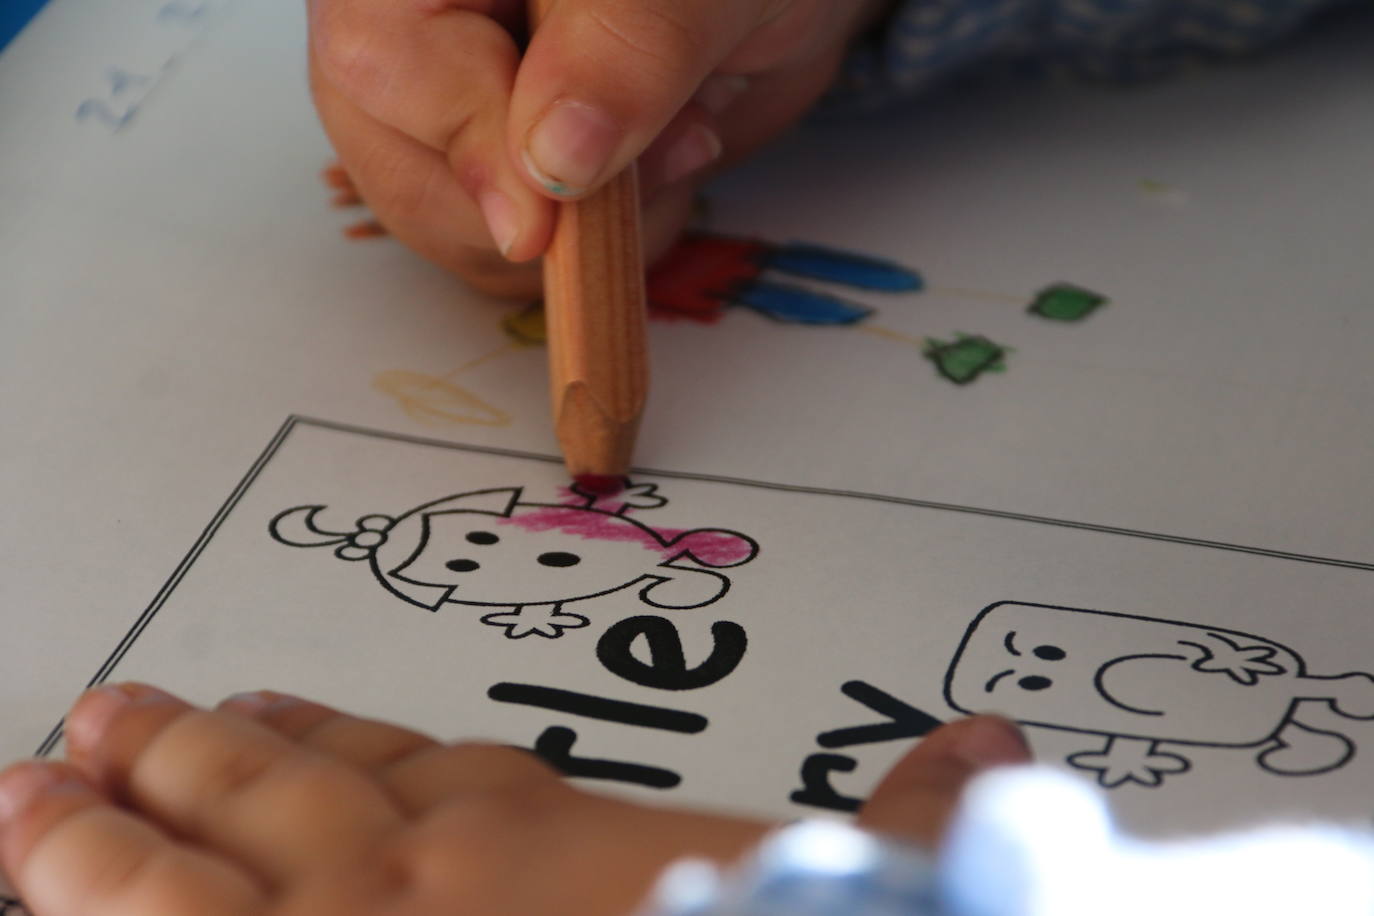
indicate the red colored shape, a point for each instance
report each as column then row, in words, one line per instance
column 710, row 546
column 600, row 484
column 700, row 276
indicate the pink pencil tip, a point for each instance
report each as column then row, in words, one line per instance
column 600, row 484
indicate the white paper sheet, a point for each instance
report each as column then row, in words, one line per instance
column 755, row 629
column 176, row 288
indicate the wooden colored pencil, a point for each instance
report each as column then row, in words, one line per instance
column 594, row 315
column 594, row 310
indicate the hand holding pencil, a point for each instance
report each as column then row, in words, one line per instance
column 462, row 145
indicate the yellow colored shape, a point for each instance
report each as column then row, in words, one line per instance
column 526, row 327
column 434, row 401
column 888, row 333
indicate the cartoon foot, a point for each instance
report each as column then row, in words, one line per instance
column 1125, row 760
column 1301, row 750
column 523, row 621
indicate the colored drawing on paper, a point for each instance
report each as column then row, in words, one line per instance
column 966, row 357
column 526, row 327
column 1162, row 192
column 436, row 400
column 524, row 560
column 704, row 275
column 1151, row 688
column 1066, row 302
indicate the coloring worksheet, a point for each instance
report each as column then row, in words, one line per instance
column 1045, row 399
column 765, row 647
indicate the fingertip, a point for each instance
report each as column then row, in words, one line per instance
column 566, row 153
column 986, row 741
column 520, row 233
column 502, row 219
column 918, row 795
column 34, row 794
column 960, row 749
column 688, row 146
column 601, row 79
column 91, row 715
column 520, row 223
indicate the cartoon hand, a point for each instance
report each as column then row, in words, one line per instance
column 630, row 496
column 1243, row 664
column 1125, row 760
column 523, row 621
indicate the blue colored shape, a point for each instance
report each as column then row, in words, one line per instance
column 861, row 272
column 794, row 305
column 14, row 15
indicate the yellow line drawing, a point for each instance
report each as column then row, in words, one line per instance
column 435, row 400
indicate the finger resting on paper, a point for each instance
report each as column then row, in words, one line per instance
column 368, row 744
column 225, row 782
column 68, row 850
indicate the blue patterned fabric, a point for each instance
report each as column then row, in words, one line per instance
column 811, row 868
column 926, row 42
column 14, row 15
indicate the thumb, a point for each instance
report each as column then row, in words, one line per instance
column 602, row 78
column 915, row 799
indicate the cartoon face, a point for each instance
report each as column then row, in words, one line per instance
column 1118, row 674
column 488, row 548
column 535, row 555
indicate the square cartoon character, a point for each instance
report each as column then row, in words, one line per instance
column 1142, row 682
column 495, row 549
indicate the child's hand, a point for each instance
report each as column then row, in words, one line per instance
column 460, row 145
column 273, row 805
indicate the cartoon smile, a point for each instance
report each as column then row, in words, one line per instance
column 1100, row 682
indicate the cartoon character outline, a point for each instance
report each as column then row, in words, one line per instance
column 1158, row 683
column 492, row 548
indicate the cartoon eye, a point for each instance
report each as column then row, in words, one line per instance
column 1049, row 653
column 462, row 565
column 559, row 558
column 1034, row 682
column 482, row 537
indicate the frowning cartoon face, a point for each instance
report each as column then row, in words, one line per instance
column 1123, row 675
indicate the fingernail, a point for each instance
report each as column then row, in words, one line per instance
column 717, row 92
column 989, row 741
column 256, row 702
column 93, row 712
column 569, row 147
column 21, row 783
column 693, row 151
column 503, row 220
column 248, row 701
